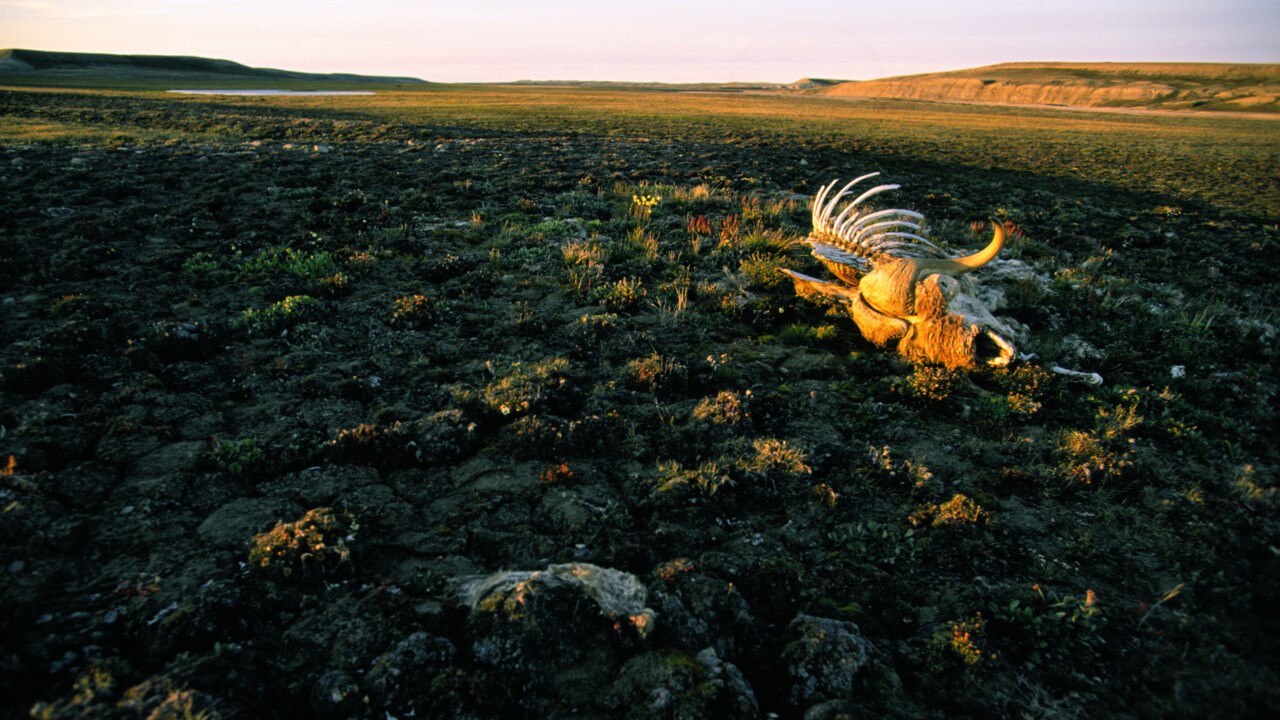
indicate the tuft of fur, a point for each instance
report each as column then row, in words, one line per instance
column 946, row 340
column 877, row 327
column 930, row 301
column 890, row 288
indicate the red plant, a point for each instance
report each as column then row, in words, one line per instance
column 556, row 474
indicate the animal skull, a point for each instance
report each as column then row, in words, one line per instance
column 900, row 287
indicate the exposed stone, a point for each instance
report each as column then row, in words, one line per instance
column 335, row 695
column 671, row 684
column 400, row 680
column 697, row 613
column 821, row 659
column 233, row 524
column 553, row 638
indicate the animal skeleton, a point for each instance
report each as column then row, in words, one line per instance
column 900, row 287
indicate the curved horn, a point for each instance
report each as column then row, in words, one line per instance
column 961, row 265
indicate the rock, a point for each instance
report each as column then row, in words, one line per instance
column 698, row 612
column 670, row 684
column 336, row 695
column 177, row 341
column 380, row 505
column 548, row 640
column 619, row 595
column 401, row 679
column 821, row 658
column 170, row 460
column 828, row 710
column 344, row 635
column 234, row 524
column 322, row 485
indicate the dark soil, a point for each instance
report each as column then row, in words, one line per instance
column 270, row 409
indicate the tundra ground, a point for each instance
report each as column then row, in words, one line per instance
column 281, row 377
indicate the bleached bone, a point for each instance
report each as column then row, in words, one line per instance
column 1088, row 377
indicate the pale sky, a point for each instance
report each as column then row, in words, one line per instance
column 650, row 40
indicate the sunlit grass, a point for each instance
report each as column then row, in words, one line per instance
column 1230, row 161
column 19, row 130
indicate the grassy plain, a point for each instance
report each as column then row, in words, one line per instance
column 438, row 333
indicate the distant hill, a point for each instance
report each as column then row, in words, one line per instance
column 72, row 65
column 1166, row 86
column 813, row 83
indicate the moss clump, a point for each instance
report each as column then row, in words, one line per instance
column 289, row 311
column 963, row 641
column 775, row 459
column 656, row 372
column 413, row 311
column 931, row 382
column 370, row 444
column 295, row 268
column 726, row 408
column 524, row 385
column 707, row 479
column 238, row 457
column 959, row 510
column 621, row 296
column 314, row 545
column 1106, row 452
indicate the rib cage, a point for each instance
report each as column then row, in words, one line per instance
column 849, row 242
